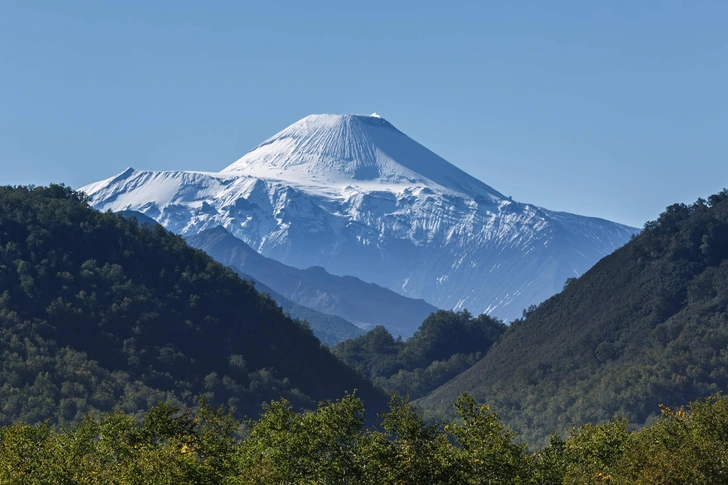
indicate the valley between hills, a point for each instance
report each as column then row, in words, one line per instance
column 155, row 341
column 111, row 328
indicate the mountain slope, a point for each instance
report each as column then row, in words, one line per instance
column 330, row 150
column 364, row 304
column 358, row 197
column 647, row 325
column 329, row 329
column 98, row 312
column 141, row 218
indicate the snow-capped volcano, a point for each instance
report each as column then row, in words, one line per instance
column 357, row 196
column 336, row 151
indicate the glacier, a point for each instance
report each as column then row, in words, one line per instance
column 355, row 195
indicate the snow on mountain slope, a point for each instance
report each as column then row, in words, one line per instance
column 357, row 196
column 333, row 151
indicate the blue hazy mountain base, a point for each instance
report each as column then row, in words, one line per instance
column 364, row 304
column 330, row 329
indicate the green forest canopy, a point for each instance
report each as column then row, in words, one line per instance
column 100, row 313
column 446, row 344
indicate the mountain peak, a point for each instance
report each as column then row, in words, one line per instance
column 332, row 118
column 339, row 150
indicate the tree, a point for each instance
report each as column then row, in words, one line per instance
column 489, row 452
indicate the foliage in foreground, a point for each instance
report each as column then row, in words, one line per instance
column 333, row 445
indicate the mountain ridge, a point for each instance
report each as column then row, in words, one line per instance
column 364, row 304
column 329, row 329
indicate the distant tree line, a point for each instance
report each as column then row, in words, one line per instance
column 446, row 344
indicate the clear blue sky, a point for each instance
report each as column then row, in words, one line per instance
column 613, row 109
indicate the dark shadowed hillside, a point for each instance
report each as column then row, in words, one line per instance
column 364, row 304
column 330, row 329
column 141, row 218
column 100, row 312
column 647, row 325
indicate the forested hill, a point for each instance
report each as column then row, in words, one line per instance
column 445, row 345
column 647, row 325
column 100, row 312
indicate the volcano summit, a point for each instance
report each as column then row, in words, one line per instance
column 357, row 196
